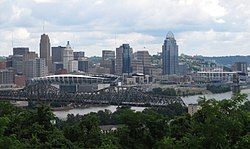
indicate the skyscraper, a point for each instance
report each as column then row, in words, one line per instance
column 83, row 65
column 18, row 63
column 20, row 51
column 144, row 57
column 108, row 60
column 68, row 56
column 6, row 76
column 108, row 54
column 36, row 68
column 57, row 54
column 45, row 50
column 123, row 59
column 79, row 55
column 170, row 55
column 30, row 55
column 240, row 66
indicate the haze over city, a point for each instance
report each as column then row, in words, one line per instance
column 207, row 27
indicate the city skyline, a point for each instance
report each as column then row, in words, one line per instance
column 208, row 28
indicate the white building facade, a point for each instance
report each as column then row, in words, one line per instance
column 68, row 56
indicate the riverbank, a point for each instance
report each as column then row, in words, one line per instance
column 187, row 100
column 220, row 96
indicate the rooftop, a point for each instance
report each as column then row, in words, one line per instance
column 170, row 35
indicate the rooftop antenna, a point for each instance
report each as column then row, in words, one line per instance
column 12, row 40
column 43, row 26
column 115, row 40
column 74, row 36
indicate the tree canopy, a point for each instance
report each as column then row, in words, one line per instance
column 218, row 124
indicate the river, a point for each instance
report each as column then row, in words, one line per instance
column 187, row 100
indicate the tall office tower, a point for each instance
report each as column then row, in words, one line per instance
column 145, row 58
column 83, row 65
column 18, row 63
column 137, row 66
column 42, row 69
column 183, row 69
column 67, row 56
column 79, row 55
column 6, row 76
column 57, row 54
column 123, row 59
column 108, row 60
column 108, row 55
column 45, row 50
column 112, row 69
column 36, row 68
column 30, row 55
column 20, row 51
column 57, row 66
column 73, row 66
column 240, row 66
column 170, row 55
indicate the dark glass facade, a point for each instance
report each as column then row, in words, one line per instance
column 170, row 60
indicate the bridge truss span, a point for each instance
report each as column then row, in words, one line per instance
column 113, row 95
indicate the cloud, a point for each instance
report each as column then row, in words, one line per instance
column 210, row 42
column 207, row 27
column 44, row 1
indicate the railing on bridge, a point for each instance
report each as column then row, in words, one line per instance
column 114, row 95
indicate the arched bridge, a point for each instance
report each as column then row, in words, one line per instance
column 113, row 95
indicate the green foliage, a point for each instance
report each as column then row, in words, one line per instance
column 218, row 124
column 167, row 91
column 218, row 88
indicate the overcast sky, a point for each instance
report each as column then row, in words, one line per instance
column 203, row 27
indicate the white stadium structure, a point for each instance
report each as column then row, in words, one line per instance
column 77, row 83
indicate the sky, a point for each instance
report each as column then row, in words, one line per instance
column 201, row 27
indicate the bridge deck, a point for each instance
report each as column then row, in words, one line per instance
column 111, row 96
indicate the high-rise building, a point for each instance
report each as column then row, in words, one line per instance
column 57, row 54
column 73, row 66
column 123, row 59
column 67, row 56
column 20, row 51
column 36, row 68
column 83, row 65
column 240, row 66
column 108, row 60
column 45, row 50
column 108, row 54
column 137, row 66
column 183, row 69
column 112, row 69
column 145, row 58
column 79, row 55
column 170, row 55
column 30, row 55
column 17, row 62
column 57, row 66
column 6, row 76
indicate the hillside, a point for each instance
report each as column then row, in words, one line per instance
column 228, row 60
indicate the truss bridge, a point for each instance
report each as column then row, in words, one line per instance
column 113, row 95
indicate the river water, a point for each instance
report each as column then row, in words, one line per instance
column 187, row 100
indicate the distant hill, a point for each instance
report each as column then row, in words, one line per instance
column 228, row 60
